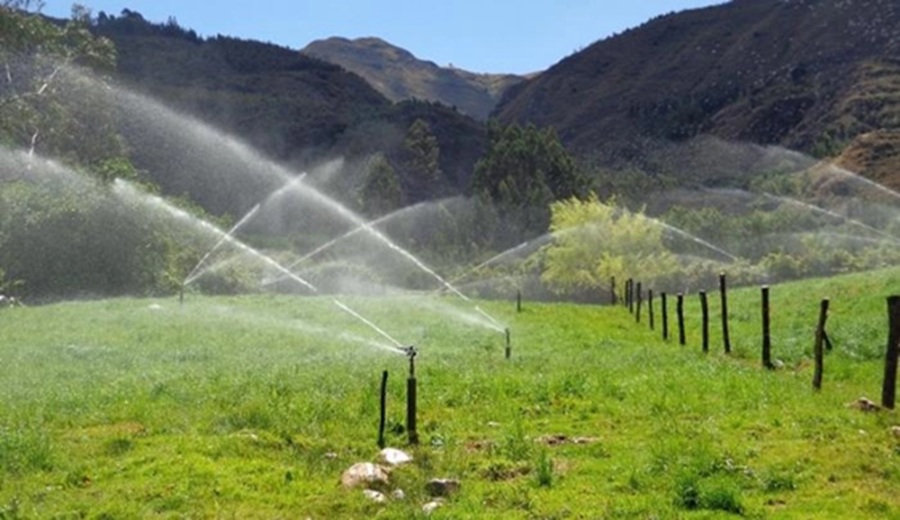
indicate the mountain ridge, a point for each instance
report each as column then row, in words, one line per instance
column 398, row 74
column 810, row 75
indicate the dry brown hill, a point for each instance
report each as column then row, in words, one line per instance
column 820, row 76
column 399, row 75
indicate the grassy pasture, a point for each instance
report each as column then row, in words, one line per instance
column 252, row 406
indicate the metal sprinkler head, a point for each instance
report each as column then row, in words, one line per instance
column 411, row 354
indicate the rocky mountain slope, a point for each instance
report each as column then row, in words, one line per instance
column 820, row 76
column 399, row 75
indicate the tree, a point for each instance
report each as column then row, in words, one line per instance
column 47, row 103
column 594, row 241
column 423, row 161
column 524, row 170
column 380, row 192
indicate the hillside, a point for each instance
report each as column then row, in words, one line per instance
column 292, row 108
column 819, row 76
column 399, row 75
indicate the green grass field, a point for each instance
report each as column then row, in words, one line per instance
column 253, row 406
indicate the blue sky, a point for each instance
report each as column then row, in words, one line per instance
column 517, row 36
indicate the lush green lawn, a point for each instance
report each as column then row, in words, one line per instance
column 253, row 407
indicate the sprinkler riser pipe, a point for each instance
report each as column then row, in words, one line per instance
column 411, row 406
column 508, row 345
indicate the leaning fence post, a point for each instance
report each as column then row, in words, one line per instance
column 679, row 310
column 819, row 348
column 723, row 291
column 650, row 307
column 665, row 317
column 704, row 309
column 766, row 337
column 889, row 389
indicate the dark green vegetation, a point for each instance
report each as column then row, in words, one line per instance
column 253, row 406
column 291, row 107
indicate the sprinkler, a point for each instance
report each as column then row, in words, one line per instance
column 411, row 354
column 508, row 345
column 411, row 395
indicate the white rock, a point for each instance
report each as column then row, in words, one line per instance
column 395, row 457
column 363, row 474
column 375, row 496
column 398, row 494
column 431, row 506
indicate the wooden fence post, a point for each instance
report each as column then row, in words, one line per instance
column 889, row 389
column 704, row 309
column 650, row 307
column 679, row 309
column 766, row 337
column 819, row 348
column 640, row 300
column 723, row 291
column 631, row 295
column 665, row 317
column 612, row 290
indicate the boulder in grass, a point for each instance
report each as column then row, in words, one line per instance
column 364, row 474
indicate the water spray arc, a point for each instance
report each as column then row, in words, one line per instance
column 361, row 225
column 127, row 190
column 837, row 216
column 355, row 231
column 192, row 275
